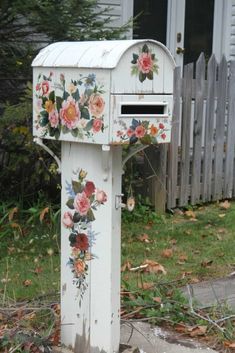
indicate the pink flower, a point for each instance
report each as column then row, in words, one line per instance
column 140, row 131
column 161, row 126
column 68, row 220
column 89, row 188
column 70, row 113
column 54, row 118
column 97, row 125
column 101, row 196
column 82, row 204
column 96, row 105
column 145, row 63
column 45, row 88
column 38, row 86
column 163, row 136
column 130, row 132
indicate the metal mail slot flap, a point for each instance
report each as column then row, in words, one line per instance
column 148, row 109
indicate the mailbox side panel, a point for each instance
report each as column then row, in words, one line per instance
column 71, row 104
column 141, row 127
column 144, row 68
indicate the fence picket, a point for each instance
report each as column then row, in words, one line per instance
column 186, row 128
column 173, row 146
column 229, row 155
column 209, row 129
column 220, row 130
column 198, row 120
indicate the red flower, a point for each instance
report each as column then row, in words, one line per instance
column 140, row 131
column 145, row 63
column 163, row 136
column 161, row 126
column 45, row 87
column 89, row 188
column 82, row 242
column 97, row 125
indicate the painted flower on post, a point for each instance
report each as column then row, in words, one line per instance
column 144, row 64
column 96, row 105
column 83, row 200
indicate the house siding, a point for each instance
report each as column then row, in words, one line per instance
column 232, row 32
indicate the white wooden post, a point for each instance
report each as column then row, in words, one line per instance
column 95, row 97
column 91, row 316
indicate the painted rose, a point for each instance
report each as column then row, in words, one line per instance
column 67, row 219
column 82, row 204
column 96, row 105
column 140, row 131
column 163, row 136
column 70, row 113
column 45, row 88
column 49, row 106
column 54, row 118
column 97, row 125
column 145, row 63
column 101, row 196
column 89, row 188
column 82, row 242
column 82, row 123
column 79, row 266
column 38, row 86
column 161, row 126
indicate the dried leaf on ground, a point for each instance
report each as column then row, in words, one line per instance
column 167, row 253
column 146, row 285
column 157, row 300
column 27, row 282
column 225, row 205
column 190, row 214
column 199, row 330
column 183, row 257
column 43, row 213
column 144, row 238
column 206, row 263
column 154, row 267
column 229, row 344
column 12, row 213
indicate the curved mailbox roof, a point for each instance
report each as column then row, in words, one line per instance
column 92, row 54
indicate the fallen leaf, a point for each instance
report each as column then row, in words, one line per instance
column 197, row 331
column 144, row 238
column 43, row 213
column 188, row 232
column 222, row 215
column 38, row 270
column 173, row 241
column 153, row 267
column 194, row 280
column 186, row 273
column 157, row 300
column 27, row 282
column 190, row 214
column 225, row 205
column 229, row 344
column 167, row 253
column 183, row 258
column 146, row 285
column 206, row 263
column 180, row 328
column 12, row 213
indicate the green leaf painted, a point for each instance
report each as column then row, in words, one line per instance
column 145, row 49
column 77, row 217
column 52, row 96
column 142, row 76
column 85, row 114
column 59, row 102
column 152, row 56
column 90, row 216
column 44, row 114
column 69, row 203
column 77, row 186
column 76, row 95
column 146, row 140
column 65, row 95
column 89, row 125
column 150, row 75
column 57, row 134
column 135, row 58
column 74, row 132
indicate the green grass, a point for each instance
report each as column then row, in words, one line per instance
column 206, row 242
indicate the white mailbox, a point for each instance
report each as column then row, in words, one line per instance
column 94, row 97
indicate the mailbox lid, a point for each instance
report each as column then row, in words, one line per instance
column 141, row 119
column 71, row 104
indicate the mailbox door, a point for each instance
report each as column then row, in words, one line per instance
column 71, row 104
column 141, row 119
